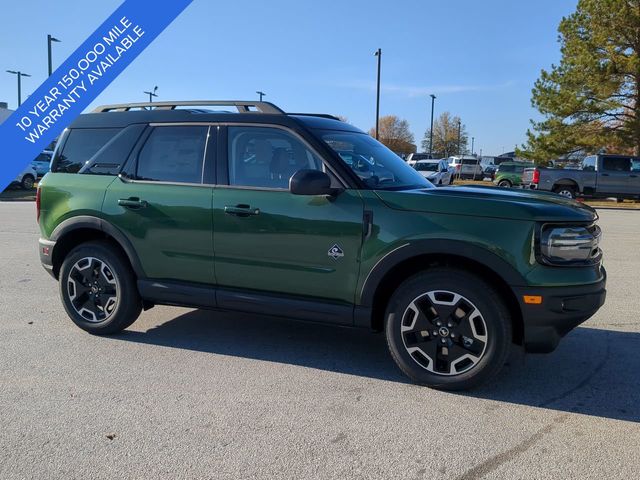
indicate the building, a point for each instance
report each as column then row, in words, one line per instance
column 4, row 111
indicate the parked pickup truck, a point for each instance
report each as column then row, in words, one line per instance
column 599, row 176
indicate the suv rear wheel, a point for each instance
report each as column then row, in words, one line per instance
column 98, row 289
column 505, row 184
column 448, row 329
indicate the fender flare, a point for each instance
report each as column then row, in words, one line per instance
column 457, row 248
column 98, row 224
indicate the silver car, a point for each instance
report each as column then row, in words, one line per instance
column 436, row 171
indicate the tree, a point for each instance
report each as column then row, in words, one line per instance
column 591, row 100
column 395, row 134
column 445, row 136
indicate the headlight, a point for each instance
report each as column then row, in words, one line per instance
column 570, row 245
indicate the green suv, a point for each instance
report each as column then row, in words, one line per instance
column 241, row 206
column 509, row 174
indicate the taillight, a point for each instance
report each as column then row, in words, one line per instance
column 38, row 204
column 536, row 176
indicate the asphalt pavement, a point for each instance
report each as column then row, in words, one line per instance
column 187, row 394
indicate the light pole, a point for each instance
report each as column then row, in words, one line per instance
column 50, row 40
column 19, row 75
column 433, row 99
column 379, row 55
column 262, row 94
column 152, row 94
column 473, row 141
column 459, row 149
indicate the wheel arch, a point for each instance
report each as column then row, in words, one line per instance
column 77, row 230
column 407, row 261
column 566, row 182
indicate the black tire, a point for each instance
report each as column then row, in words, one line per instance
column 505, row 184
column 27, row 182
column 476, row 296
column 567, row 191
column 117, row 277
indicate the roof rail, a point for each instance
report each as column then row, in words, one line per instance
column 323, row 115
column 241, row 106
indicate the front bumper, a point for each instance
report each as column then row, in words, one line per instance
column 562, row 309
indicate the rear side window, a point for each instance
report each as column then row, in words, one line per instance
column 507, row 168
column 173, row 154
column 81, row 144
column 616, row 164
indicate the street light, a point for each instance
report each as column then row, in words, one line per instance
column 473, row 140
column 433, row 99
column 379, row 55
column 459, row 149
column 20, row 75
column 50, row 40
column 152, row 94
column 262, row 94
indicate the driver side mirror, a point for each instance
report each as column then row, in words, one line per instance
column 310, row 182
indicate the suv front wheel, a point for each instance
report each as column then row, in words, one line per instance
column 448, row 329
column 98, row 289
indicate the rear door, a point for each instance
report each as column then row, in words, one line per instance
column 271, row 241
column 163, row 203
column 614, row 175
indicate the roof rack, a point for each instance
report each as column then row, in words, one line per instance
column 241, row 106
column 323, row 115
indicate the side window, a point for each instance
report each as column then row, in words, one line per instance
column 173, row 154
column 616, row 164
column 635, row 165
column 80, row 146
column 507, row 168
column 589, row 164
column 266, row 157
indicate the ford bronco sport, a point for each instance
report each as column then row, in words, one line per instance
column 306, row 217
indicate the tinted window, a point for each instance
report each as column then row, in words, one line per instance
column 80, row 146
column 470, row 161
column 43, row 157
column 427, row 167
column 616, row 164
column 589, row 164
column 635, row 165
column 507, row 168
column 173, row 154
column 267, row 157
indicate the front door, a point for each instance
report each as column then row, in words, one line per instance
column 271, row 241
column 164, row 207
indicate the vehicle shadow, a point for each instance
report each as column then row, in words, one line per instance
column 593, row 371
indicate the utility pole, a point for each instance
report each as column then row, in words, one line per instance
column 473, row 141
column 262, row 94
column 379, row 55
column 19, row 74
column 459, row 149
column 50, row 40
column 433, row 99
column 152, row 94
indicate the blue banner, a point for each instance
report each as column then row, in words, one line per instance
column 80, row 79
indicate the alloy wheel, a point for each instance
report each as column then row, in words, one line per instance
column 444, row 332
column 93, row 289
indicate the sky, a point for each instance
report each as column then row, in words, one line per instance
column 480, row 58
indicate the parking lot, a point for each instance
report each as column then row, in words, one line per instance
column 197, row 394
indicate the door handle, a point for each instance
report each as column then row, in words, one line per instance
column 241, row 210
column 133, row 202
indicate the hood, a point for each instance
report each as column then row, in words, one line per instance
column 490, row 202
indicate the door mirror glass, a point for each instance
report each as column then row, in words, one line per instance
column 310, row 182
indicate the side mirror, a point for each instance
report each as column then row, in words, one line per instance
column 310, row 182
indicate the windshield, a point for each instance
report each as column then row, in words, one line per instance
column 426, row 167
column 377, row 166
